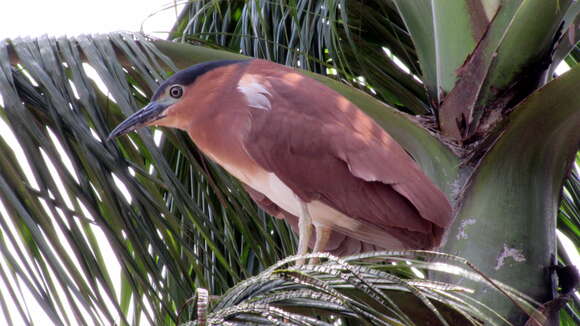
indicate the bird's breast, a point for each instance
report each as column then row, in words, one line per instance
column 279, row 193
column 228, row 152
column 266, row 183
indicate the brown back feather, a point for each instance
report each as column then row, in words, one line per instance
column 324, row 148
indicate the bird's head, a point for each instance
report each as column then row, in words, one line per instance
column 171, row 97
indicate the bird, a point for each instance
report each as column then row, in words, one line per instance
column 304, row 153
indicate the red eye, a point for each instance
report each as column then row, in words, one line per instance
column 176, row 91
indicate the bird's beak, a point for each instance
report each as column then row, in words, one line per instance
column 151, row 112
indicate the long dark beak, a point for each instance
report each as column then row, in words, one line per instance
column 151, row 112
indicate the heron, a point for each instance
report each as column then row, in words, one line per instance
column 304, row 153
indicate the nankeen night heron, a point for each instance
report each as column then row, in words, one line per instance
column 304, row 153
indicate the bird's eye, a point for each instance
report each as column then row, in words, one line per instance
column 176, row 91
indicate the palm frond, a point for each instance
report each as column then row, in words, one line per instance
column 381, row 288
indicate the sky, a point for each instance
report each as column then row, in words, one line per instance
column 74, row 17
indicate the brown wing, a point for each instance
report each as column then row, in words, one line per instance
column 324, row 148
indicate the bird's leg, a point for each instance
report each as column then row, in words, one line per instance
column 304, row 232
column 322, row 237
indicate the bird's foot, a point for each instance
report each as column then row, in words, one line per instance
column 322, row 237
column 304, row 234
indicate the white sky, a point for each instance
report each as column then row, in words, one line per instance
column 70, row 17
column 73, row 17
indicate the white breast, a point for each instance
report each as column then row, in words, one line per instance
column 279, row 193
column 267, row 183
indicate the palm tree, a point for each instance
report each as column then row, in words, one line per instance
column 467, row 87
